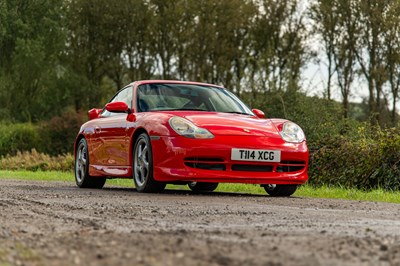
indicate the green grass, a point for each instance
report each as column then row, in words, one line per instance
column 304, row 191
column 39, row 175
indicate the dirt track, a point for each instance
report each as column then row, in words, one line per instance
column 55, row 223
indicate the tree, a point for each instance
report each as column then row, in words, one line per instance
column 392, row 54
column 278, row 49
column 336, row 23
column 165, row 20
column 370, row 51
column 138, row 40
column 86, row 53
column 31, row 38
column 344, row 50
column 324, row 14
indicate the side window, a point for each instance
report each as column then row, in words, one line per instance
column 128, row 96
column 124, row 95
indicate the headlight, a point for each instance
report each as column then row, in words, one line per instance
column 292, row 133
column 186, row 128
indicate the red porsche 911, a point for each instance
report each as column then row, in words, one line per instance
column 162, row 132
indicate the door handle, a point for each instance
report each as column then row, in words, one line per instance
column 97, row 129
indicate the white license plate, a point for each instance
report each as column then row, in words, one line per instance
column 255, row 155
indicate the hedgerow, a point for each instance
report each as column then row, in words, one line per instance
column 367, row 158
column 57, row 135
column 36, row 161
column 53, row 137
column 17, row 137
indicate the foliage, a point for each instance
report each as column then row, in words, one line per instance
column 52, row 137
column 17, row 137
column 343, row 152
column 76, row 54
column 57, row 135
column 364, row 158
column 361, row 37
column 319, row 118
column 31, row 41
column 35, row 161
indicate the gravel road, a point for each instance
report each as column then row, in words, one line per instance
column 55, row 223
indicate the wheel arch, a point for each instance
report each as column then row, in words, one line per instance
column 134, row 137
column 78, row 138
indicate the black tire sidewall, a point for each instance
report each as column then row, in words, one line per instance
column 203, row 187
column 84, row 143
column 150, row 151
column 281, row 190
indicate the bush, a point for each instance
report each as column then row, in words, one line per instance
column 58, row 134
column 317, row 117
column 17, row 137
column 367, row 158
column 343, row 152
column 35, row 161
column 52, row 137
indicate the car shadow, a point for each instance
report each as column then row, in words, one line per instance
column 191, row 193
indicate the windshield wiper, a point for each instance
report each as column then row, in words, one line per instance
column 184, row 109
column 240, row 113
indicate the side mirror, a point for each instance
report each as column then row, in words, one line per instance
column 258, row 113
column 94, row 113
column 117, row 107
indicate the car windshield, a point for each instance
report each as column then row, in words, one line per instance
column 171, row 97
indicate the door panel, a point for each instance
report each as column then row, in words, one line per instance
column 113, row 142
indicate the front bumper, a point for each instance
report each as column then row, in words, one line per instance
column 209, row 160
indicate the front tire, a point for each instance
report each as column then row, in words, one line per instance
column 82, row 177
column 280, row 190
column 143, row 166
column 202, row 186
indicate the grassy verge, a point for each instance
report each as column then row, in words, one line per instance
column 303, row 191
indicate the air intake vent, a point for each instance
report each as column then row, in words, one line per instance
column 252, row 168
column 205, row 163
column 291, row 166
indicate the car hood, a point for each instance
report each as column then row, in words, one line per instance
column 233, row 124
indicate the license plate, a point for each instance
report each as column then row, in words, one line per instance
column 255, row 155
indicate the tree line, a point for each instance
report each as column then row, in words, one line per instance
column 75, row 54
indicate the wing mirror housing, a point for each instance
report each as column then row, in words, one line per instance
column 258, row 113
column 117, row 107
column 94, row 113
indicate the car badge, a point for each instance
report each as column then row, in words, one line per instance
column 246, row 130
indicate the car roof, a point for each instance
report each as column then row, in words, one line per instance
column 141, row 82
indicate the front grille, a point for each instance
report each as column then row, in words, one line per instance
column 218, row 164
column 290, row 166
column 284, row 166
column 293, row 162
column 252, row 168
column 205, row 163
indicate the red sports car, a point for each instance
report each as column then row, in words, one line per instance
column 196, row 134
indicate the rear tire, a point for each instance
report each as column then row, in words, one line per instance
column 202, row 186
column 280, row 190
column 143, row 166
column 82, row 177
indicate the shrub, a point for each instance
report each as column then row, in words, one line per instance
column 58, row 134
column 343, row 152
column 366, row 159
column 35, row 161
column 17, row 137
column 52, row 137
